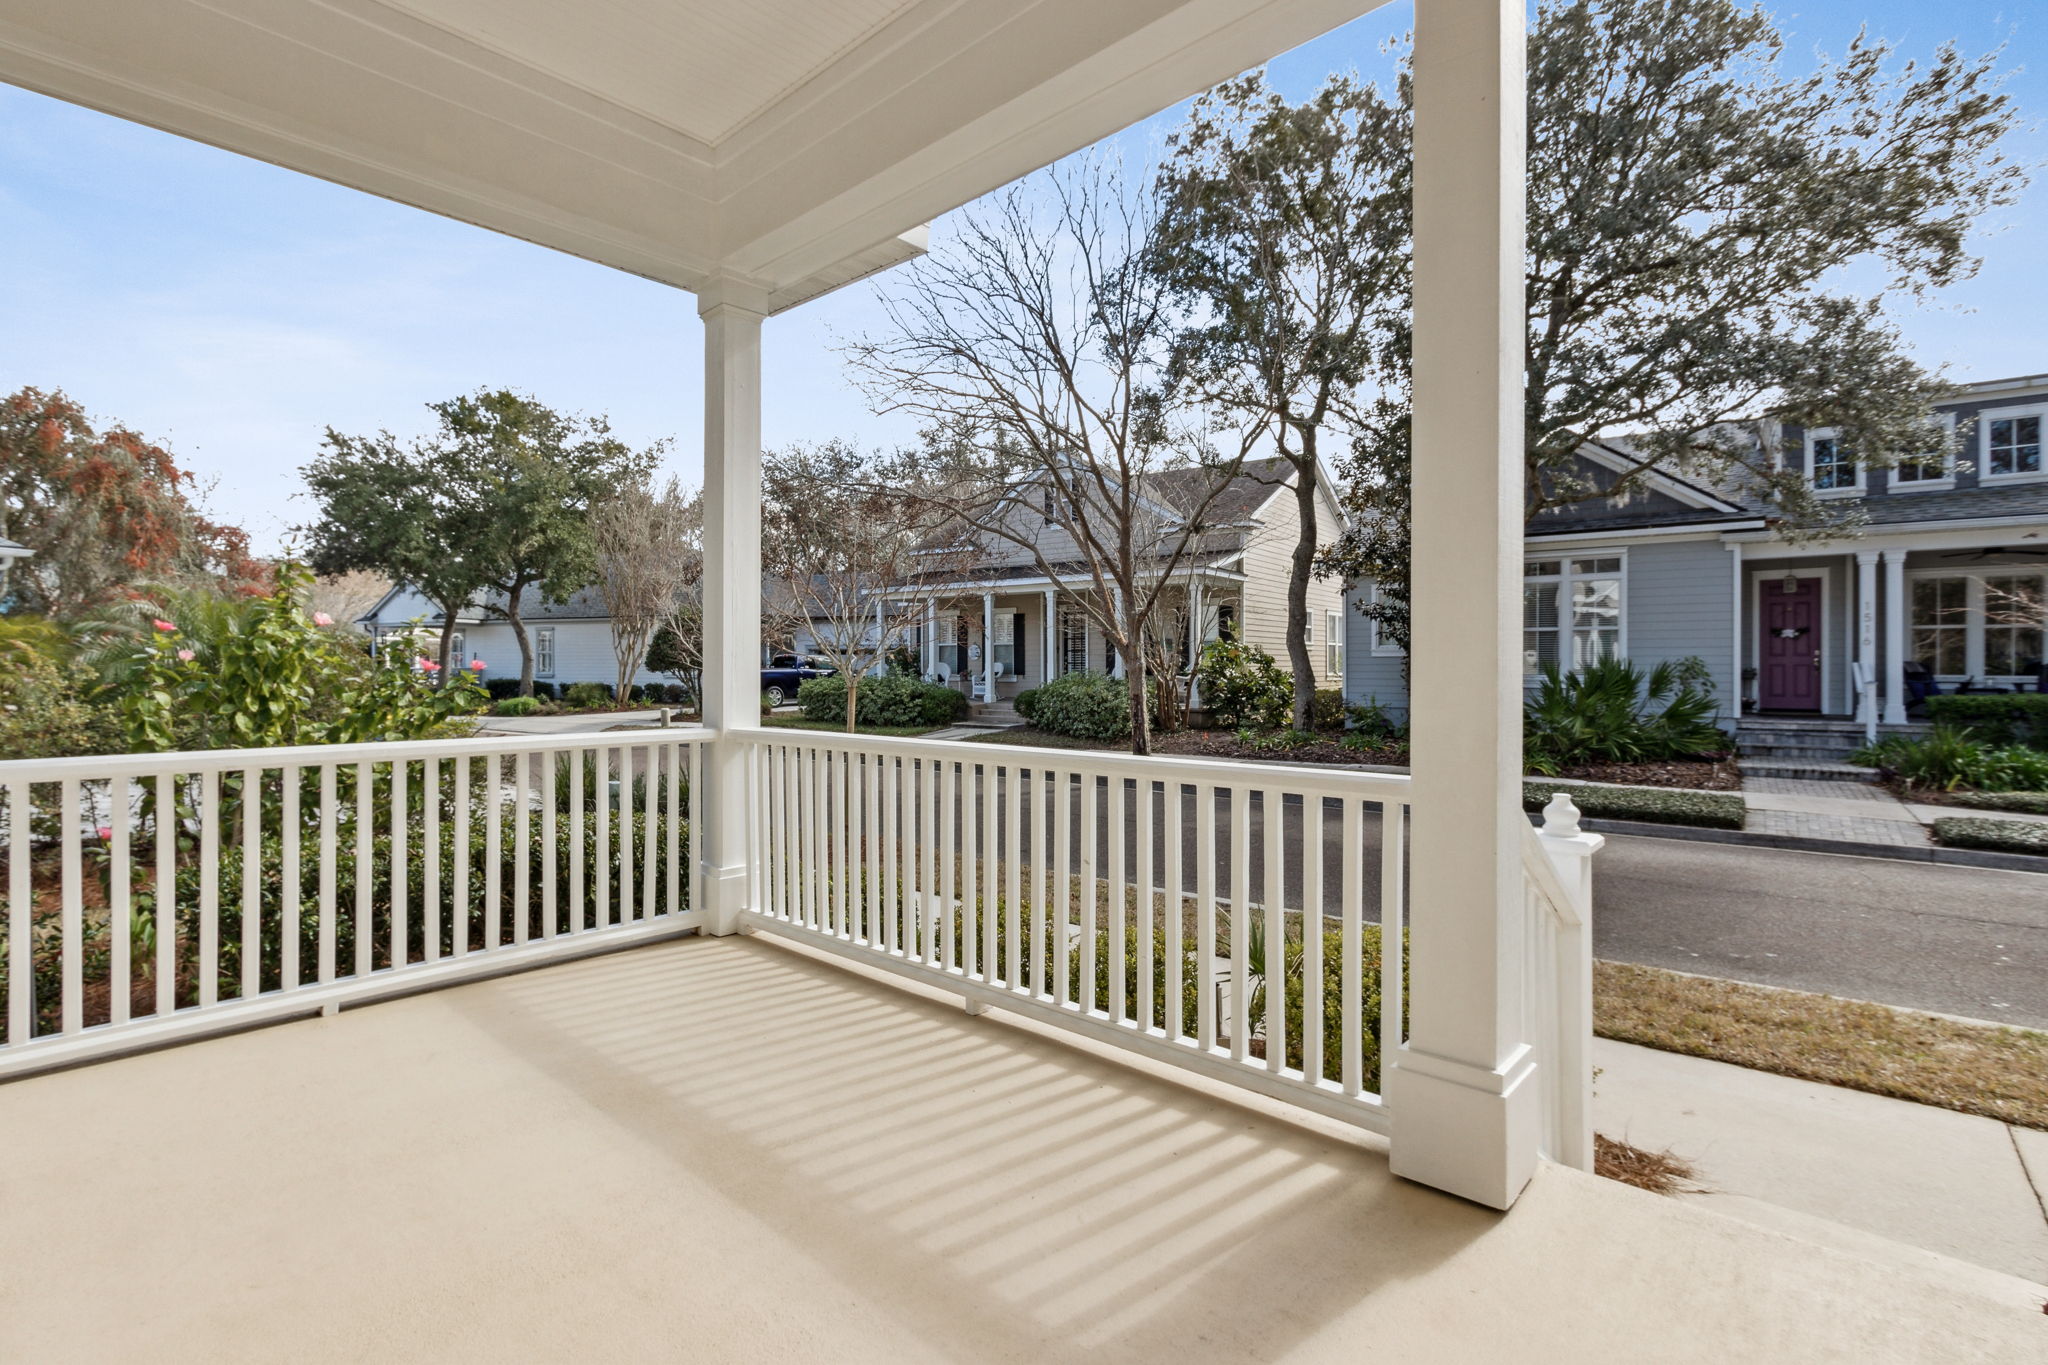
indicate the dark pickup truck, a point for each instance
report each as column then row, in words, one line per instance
column 786, row 672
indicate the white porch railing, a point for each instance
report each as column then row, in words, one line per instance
column 1136, row 900
column 154, row 896
column 1558, row 986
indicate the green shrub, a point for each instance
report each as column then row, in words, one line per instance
column 1374, row 721
column 2026, row 803
column 1948, row 758
column 2021, row 718
column 1614, row 712
column 518, row 706
column 1026, row 703
column 586, row 695
column 1084, row 706
column 1996, row 836
column 47, row 708
column 1651, row 805
column 1243, row 686
column 892, row 701
column 1326, row 709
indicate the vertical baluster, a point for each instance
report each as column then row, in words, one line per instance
column 365, row 923
column 252, row 882
column 21, row 974
column 841, row 830
column 817, row 867
column 1205, row 915
column 1312, row 938
column 1240, row 921
column 323, row 969
column 288, row 903
column 650, row 826
column 522, row 847
column 891, row 887
column 1393, row 916
column 1176, row 1023
column 672, row 828
column 550, row 841
column 991, row 857
column 1274, row 804
column 1041, row 881
column 71, row 992
column 1090, row 888
column 1348, row 942
column 430, row 859
column 458, row 904
column 929, row 899
column 165, row 911
column 786, row 767
column 209, row 888
column 1060, row 907
column 696, row 832
column 601, row 911
column 574, row 758
column 401, row 871
column 121, row 883
column 494, row 852
column 1013, row 867
column 1147, row 916
column 1115, row 912
column 948, row 884
column 620, row 761
column 873, row 910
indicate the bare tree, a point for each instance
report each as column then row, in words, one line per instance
column 850, row 553
column 1036, row 347
column 650, row 549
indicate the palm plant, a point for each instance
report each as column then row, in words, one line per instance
column 1612, row 711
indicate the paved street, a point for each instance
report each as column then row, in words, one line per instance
column 1960, row 940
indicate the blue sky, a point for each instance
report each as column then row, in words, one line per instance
column 234, row 310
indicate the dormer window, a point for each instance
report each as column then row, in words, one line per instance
column 1830, row 468
column 1934, row 470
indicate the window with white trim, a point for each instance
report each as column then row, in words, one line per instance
column 1938, row 467
column 1308, row 630
column 544, row 652
column 1830, row 468
column 1571, row 612
column 1333, row 643
column 1992, row 624
column 1073, row 642
column 1377, row 640
column 2012, row 443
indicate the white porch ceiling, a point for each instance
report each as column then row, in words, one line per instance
column 797, row 144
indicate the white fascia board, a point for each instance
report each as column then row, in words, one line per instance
column 1604, row 453
column 1710, row 530
column 1935, row 535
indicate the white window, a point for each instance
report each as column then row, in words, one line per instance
column 1073, row 642
column 2011, row 443
column 1980, row 625
column 1007, row 637
column 1376, row 637
column 544, row 652
column 1830, row 468
column 1571, row 612
column 1937, row 469
column 1333, row 643
column 1308, row 631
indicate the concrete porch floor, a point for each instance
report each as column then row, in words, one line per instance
column 726, row 1150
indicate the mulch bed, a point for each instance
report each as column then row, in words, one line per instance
column 1703, row 774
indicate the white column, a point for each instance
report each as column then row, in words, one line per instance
column 1116, row 606
column 732, row 313
column 1198, row 632
column 1463, row 1091
column 988, row 647
column 925, row 647
column 1739, row 691
column 1894, row 637
column 1866, row 635
column 1051, row 632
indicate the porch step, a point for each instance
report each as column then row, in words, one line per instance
column 995, row 715
column 1807, row 770
column 1796, row 740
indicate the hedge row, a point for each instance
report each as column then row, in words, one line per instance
column 2027, row 803
column 1996, row 836
column 2015, row 718
column 654, row 694
column 892, row 701
column 1651, row 805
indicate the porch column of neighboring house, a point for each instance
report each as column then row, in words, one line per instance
column 1894, row 637
column 1197, row 628
column 929, row 634
column 1052, row 599
column 1866, row 635
column 1116, row 606
column 1462, row 1093
column 732, row 311
column 988, row 647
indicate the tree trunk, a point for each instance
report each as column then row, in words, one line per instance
column 852, row 700
column 519, row 634
column 447, row 646
column 1300, row 572
column 1141, row 717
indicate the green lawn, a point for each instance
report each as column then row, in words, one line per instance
column 835, row 727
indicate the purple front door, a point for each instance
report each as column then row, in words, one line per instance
column 1790, row 678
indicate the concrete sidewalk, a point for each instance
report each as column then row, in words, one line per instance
column 1833, row 1164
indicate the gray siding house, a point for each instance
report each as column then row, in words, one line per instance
column 1945, row 583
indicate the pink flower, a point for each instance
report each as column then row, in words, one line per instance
column 185, row 656
column 430, row 666
column 476, row 665
column 105, row 831
column 164, row 625
column 321, row 618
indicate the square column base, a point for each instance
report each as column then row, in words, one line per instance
column 1466, row 1132
column 725, row 896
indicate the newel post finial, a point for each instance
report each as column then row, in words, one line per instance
column 1561, row 817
